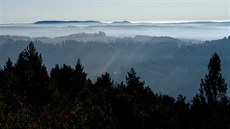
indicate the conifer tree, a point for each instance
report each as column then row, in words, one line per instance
column 80, row 77
column 7, row 79
column 208, row 109
column 32, row 76
column 133, row 81
column 213, row 88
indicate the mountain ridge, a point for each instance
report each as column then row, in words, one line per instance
column 125, row 22
column 61, row 22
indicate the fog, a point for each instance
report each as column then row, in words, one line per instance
column 163, row 54
column 190, row 30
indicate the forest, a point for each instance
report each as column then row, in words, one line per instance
column 31, row 97
column 167, row 65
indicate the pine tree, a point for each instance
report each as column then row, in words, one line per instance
column 102, row 100
column 32, row 76
column 80, row 78
column 133, row 82
column 209, row 107
column 213, row 88
column 63, row 81
column 8, row 78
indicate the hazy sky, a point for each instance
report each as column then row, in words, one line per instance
column 18, row 11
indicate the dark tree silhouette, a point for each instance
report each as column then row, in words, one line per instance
column 208, row 109
column 80, row 78
column 30, row 98
column 213, row 87
column 62, row 81
column 102, row 114
column 32, row 76
column 133, row 81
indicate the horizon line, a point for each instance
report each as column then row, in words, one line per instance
column 131, row 21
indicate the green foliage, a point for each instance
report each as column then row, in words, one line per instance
column 31, row 98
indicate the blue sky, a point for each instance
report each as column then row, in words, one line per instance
column 20, row 11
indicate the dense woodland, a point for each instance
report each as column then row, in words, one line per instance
column 168, row 65
column 30, row 97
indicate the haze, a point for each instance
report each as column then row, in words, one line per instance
column 27, row 11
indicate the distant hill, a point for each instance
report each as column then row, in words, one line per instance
column 121, row 22
column 166, row 64
column 61, row 22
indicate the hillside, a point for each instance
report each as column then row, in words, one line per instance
column 167, row 65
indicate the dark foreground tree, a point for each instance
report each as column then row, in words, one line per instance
column 213, row 88
column 30, row 98
column 32, row 77
column 23, row 90
column 209, row 109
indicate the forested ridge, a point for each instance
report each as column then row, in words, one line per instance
column 31, row 97
column 166, row 64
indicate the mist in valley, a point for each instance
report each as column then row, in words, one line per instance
column 206, row 30
column 170, row 57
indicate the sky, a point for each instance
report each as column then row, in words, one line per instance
column 28, row 11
